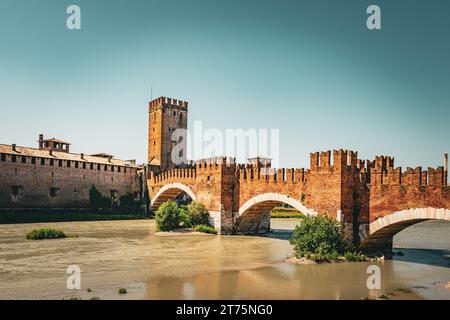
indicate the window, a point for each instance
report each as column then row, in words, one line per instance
column 42, row 161
column 118, row 169
column 154, row 142
column 33, row 160
column 84, row 165
column 3, row 157
column 105, row 168
column 98, row 167
column 13, row 158
column 68, row 163
column 54, row 192
column 59, row 163
column 92, row 166
column 24, row 159
column 76, row 164
column 112, row 168
column 52, row 162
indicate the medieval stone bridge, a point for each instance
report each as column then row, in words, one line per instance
column 372, row 199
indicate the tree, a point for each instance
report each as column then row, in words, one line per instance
column 97, row 200
column 198, row 214
column 167, row 216
column 318, row 238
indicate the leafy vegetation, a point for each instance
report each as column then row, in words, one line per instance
column 45, row 233
column 98, row 201
column 320, row 239
column 122, row 291
column 167, row 216
column 205, row 229
column 170, row 216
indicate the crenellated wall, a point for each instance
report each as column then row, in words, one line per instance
column 338, row 184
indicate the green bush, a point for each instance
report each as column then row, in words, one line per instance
column 45, row 233
column 167, row 216
column 205, row 229
column 198, row 214
column 97, row 200
column 354, row 256
column 122, row 291
column 185, row 219
column 127, row 201
column 318, row 238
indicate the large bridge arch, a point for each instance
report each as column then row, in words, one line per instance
column 169, row 192
column 254, row 215
column 381, row 231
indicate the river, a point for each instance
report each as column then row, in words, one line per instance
column 128, row 254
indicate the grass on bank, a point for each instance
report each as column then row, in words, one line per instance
column 205, row 229
column 282, row 212
column 45, row 233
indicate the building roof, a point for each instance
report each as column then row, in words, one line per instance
column 33, row 152
column 56, row 140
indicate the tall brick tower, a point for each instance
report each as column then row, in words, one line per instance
column 165, row 116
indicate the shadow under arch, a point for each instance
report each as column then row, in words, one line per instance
column 382, row 230
column 254, row 215
column 170, row 192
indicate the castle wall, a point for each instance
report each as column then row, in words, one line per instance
column 42, row 185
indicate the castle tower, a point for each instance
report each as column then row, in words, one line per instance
column 165, row 116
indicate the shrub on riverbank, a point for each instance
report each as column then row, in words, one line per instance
column 45, row 233
column 205, row 229
column 170, row 216
column 167, row 216
column 318, row 238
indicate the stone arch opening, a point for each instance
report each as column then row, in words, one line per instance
column 381, row 231
column 172, row 191
column 254, row 215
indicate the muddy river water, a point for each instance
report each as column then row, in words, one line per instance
column 128, row 254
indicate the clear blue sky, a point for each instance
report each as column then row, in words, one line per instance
column 310, row 68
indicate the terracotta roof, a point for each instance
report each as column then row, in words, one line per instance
column 33, row 152
column 56, row 140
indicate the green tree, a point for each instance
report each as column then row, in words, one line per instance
column 198, row 214
column 127, row 201
column 318, row 238
column 167, row 216
column 97, row 200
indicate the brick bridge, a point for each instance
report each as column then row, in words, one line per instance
column 372, row 199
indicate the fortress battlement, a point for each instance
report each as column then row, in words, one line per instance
column 169, row 102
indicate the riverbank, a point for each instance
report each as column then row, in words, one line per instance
column 40, row 216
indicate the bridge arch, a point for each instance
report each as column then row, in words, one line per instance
column 169, row 192
column 382, row 230
column 254, row 215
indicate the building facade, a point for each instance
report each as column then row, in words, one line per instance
column 51, row 177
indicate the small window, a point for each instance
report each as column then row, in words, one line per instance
column 84, row 165
column 76, row 164
column 154, row 142
column 33, row 160
column 52, row 162
column 59, row 163
column 42, row 161
column 68, row 163
column 118, row 169
column 54, row 192
column 98, row 167
column 13, row 158
column 24, row 159
column 91, row 166
column 174, row 113
column 112, row 168
column 105, row 168
column 3, row 157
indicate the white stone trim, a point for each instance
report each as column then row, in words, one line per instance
column 175, row 185
column 410, row 214
column 276, row 197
